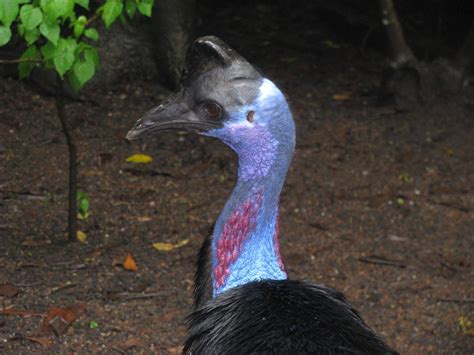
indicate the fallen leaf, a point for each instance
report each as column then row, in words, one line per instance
column 59, row 319
column 161, row 246
column 82, row 217
column 42, row 341
column 466, row 326
column 342, row 96
column 131, row 343
column 405, row 177
column 140, row 159
column 400, row 201
column 129, row 263
column 81, row 236
column 330, row 44
column 142, row 219
column 7, row 290
column 168, row 316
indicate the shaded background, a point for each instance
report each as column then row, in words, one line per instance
column 379, row 201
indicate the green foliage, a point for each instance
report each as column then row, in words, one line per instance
column 84, row 204
column 60, row 34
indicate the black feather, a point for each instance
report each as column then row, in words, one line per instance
column 280, row 317
column 202, row 277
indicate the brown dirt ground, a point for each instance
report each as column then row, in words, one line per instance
column 378, row 204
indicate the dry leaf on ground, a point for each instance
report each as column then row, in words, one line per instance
column 129, row 263
column 140, row 159
column 161, row 246
column 7, row 290
column 59, row 319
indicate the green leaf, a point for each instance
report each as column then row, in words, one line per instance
column 31, row 36
column 83, row 3
column 92, row 34
column 48, row 50
column 82, row 71
column 30, row 16
column 130, row 8
column 145, row 6
column 84, row 203
column 8, row 11
column 5, row 35
column 64, row 56
column 111, row 10
column 57, row 8
column 92, row 54
column 79, row 27
column 50, row 31
column 28, row 61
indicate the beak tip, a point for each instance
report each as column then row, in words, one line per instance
column 131, row 135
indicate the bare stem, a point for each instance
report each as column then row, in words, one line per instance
column 71, row 144
column 19, row 60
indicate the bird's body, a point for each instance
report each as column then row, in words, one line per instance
column 244, row 302
column 280, row 317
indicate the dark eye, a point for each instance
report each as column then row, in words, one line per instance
column 212, row 109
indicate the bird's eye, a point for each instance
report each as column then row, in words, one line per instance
column 212, row 109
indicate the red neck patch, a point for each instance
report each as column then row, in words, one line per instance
column 235, row 232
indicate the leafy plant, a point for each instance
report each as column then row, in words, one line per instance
column 61, row 35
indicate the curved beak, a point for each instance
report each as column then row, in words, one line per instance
column 174, row 114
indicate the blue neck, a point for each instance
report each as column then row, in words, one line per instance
column 245, row 239
column 248, row 228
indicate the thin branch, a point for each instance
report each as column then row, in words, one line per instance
column 382, row 261
column 456, row 300
column 71, row 144
column 92, row 19
column 19, row 60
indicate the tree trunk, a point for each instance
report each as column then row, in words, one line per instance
column 173, row 30
column 400, row 53
column 71, row 144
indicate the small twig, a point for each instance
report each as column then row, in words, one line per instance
column 68, row 267
column 381, row 261
column 92, row 19
column 63, row 286
column 456, row 300
column 33, row 284
column 127, row 296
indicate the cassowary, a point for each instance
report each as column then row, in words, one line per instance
column 244, row 302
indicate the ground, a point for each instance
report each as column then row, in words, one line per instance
column 378, row 204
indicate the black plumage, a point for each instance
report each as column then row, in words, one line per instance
column 280, row 317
